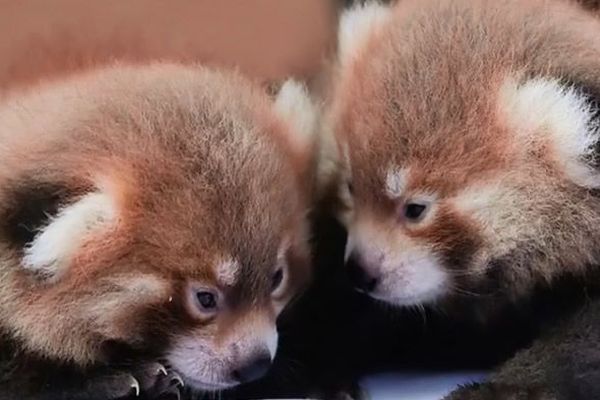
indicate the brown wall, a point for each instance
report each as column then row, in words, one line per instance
column 265, row 38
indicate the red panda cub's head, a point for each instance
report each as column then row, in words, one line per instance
column 468, row 134
column 159, row 207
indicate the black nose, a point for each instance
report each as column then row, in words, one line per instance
column 253, row 370
column 359, row 277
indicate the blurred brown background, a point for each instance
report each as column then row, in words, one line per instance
column 268, row 39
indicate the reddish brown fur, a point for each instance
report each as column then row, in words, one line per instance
column 422, row 94
column 200, row 168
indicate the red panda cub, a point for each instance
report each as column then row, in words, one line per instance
column 152, row 211
column 468, row 134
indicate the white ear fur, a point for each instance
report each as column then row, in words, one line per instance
column 51, row 250
column 544, row 106
column 294, row 105
column 356, row 24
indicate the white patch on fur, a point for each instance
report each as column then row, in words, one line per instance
column 207, row 362
column 295, row 106
column 416, row 277
column 356, row 25
column 543, row 106
column 349, row 247
column 271, row 342
column 227, row 272
column 395, row 182
column 50, row 252
column 408, row 273
column 201, row 363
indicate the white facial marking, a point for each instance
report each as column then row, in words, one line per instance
column 407, row 273
column 415, row 277
column 271, row 341
column 395, row 182
column 545, row 107
column 201, row 363
column 411, row 275
column 51, row 250
column 349, row 247
column 227, row 272
column 295, row 106
column 356, row 25
column 207, row 363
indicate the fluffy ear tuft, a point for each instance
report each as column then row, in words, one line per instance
column 565, row 116
column 54, row 246
column 356, row 24
column 294, row 105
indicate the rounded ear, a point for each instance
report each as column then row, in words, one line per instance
column 297, row 109
column 356, row 25
column 57, row 242
column 295, row 105
column 565, row 114
column 591, row 97
column 47, row 224
column 28, row 206
column 584, row 166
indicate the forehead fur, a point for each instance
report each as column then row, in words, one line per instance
column 193, row 145
column 395, row 182
column 432, row 85
column 227, row 272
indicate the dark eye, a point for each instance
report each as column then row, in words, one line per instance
column 276, row 279
column 414, row 212
column 350, row 188
column 207, row 301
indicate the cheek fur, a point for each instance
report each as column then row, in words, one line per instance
column 201, row 363
column 412, row 276
column 206, row 357
column 453, row 237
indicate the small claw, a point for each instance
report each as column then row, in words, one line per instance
column 162, row 370
column 135, row 385
column 176, row 378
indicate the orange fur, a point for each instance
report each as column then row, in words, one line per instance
column 200, row 169
column 508, row 205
